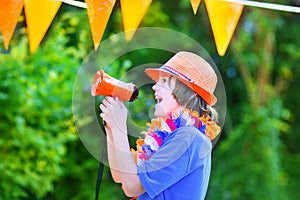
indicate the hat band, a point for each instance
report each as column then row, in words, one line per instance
column 175, row 72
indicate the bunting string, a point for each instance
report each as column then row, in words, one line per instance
column 271, row 6
column 75, row 3
column 223, row 15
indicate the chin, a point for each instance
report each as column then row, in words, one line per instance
column 157, row 115
column 160, row 114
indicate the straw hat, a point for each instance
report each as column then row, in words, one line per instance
column 193, row 71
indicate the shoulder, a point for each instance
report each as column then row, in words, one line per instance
column 191, row 132
column 194, row 139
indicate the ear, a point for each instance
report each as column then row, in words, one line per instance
column 172, row 82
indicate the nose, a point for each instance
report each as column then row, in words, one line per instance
column 155, row 87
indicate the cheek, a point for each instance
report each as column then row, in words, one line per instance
column 168, row 105
column 171, row 102
column 175, row 103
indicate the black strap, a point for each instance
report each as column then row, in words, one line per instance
column 100, row 173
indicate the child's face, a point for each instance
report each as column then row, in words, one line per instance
column 166, row 103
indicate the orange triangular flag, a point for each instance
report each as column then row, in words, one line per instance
column 39, row 15
column 195, row 4
column 223, row 17
column 99, row 12
column 133, row 12
column 10, row 11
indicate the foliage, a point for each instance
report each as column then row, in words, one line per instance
column 36, row 120
column 251, row 156
column 256, row 157
column 289, row 50
column 248, row 162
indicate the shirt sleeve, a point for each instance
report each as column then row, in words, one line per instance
column 182, row 152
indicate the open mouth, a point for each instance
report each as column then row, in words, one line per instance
column 159, row 99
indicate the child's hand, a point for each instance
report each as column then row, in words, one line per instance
column 114, row 113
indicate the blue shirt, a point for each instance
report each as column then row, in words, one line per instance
column 180, row 169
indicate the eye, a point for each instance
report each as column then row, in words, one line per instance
column 164, row 80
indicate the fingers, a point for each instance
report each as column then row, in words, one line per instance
column 116, row 102
column 104, row 107
column 107, row 101
column 113, row 102
column 121, row 104
column 110, row 107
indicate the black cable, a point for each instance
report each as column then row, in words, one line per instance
column 100, row 173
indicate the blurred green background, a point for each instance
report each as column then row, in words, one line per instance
column 257, row 156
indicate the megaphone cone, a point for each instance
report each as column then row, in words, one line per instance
column 103, row 84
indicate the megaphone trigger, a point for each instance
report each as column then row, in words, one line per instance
column 103, row 84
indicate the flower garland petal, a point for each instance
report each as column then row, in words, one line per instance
column 159, row 129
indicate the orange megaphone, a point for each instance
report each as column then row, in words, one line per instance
column 106, row 85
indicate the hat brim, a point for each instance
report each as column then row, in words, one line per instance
column 209, row 98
